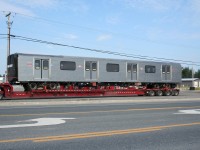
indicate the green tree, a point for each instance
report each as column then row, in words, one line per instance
column 197, row 74
column 2, row 75
column 186, row 72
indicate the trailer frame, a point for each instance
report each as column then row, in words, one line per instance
column 7, row 92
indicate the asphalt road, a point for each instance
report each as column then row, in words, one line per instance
column 114, row 126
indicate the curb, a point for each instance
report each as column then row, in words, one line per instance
column 88, row 101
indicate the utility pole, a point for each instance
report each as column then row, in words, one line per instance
column 9, row 23
column 192, row 76
column 192, row 72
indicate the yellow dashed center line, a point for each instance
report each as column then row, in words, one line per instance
column 97, row 134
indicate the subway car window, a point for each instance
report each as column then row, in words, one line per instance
column 37, row 64
column 166, row 69
column 67, row 65
column 128, row 67
column 87, row 65
column 150, row 69
column 134, row 68
column 45, row 64
column 112, row 67
column 163, row 68
column 94, row 66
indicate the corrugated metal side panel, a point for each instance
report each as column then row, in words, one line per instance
column 26, row 73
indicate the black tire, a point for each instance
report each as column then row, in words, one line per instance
column 175, row 93
column 33, row 86
column 167, row 93
column 1, row 96
column 159, row 93
column 151, row 93
column 58, row 86
column 52, row 86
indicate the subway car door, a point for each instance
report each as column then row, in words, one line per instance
column 91, row 70
column 41, row 69
column 166, row 72
column 131, row 71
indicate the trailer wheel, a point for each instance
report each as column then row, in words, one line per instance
column 58, row 86
column 167, row 93
column 1, row 96
column 33, row 86
column 52, row 86
column 151, row 93
column 159, row 93
column 175, row 93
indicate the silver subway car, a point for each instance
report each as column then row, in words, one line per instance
column 35, row 71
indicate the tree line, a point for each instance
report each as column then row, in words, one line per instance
column 187, row 73
column 2, row 75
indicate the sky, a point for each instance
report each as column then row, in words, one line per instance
column 168, row 29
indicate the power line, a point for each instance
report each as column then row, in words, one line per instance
column 103, row 51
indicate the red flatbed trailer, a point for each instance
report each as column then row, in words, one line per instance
column 7, row 92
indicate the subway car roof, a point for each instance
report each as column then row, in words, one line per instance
column 112, row 59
